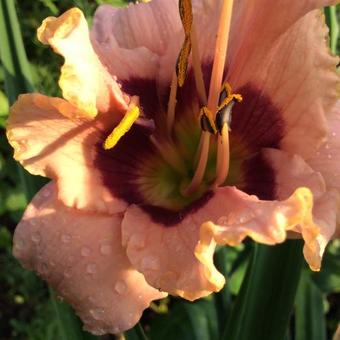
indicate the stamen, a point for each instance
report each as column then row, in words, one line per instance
column 202, row 163
column 220, row 53
column 172, row 104
column 124, row 125
column 207, row 120
column 185, row 11
column 214, row 89
column 223, row 121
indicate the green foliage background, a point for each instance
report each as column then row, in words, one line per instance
column 27, row 310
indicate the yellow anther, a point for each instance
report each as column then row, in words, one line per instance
column 207, row 120
column 227, row 96
column 182, row 61
column 122, row 128
column 185, row 12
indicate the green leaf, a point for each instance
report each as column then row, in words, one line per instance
column 17, row 75
column 328, row 278
column 136, row 333
column 264, row 304
column 13, row 56
column 187, row 321
column 309, row 315
column 69, row 324
column 3, row 105
column 332, row 22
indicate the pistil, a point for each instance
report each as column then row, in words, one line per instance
column 214, row 90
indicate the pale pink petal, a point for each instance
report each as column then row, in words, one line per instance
column 326, row 158
column 48, row 144
column 268, row 222
column 81, row 257
column 84, row 81
column 164, row 254
column 290, row 65
column 130, row 40
column 293, row 172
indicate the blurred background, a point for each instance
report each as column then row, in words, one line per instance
column 28, row 310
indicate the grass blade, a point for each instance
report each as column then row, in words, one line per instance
column 309, row 313
column 264, row 304
column 332, row 22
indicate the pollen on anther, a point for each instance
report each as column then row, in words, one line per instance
column 122, row 128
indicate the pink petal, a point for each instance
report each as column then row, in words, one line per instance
column 84, row 81
column 326, row 158
column 165, row 254
column 130, row 40
column 48, row 144
column 283, row 54
column 293, row 172
column 81, row 256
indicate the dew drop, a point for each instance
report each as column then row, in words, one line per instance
column 333, row 134
column 67, row 273
column 33, row 222
column 85, row 251
column 19, row 244
column 105, row 249
column 327, row 146
column 150, row 263
column 121, row 287
column 46, row 193
column 36, row 237
column 43, row 268
column 66, row 238
column 137, row 241
column 223, row 220
column 329, row 156
column 91, row 268
column 97, row 313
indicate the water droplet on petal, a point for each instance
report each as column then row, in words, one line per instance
column 333, row 134
column 327, row 146
column 66, row 238
column 43, row 268
column 137, row 241
column 91, row 268
column 329, row 156
column 67, row 273
column 46, row 193
column 105, row 249
column 121, row 287
column 85, row 251
column 36, row 237
column 150, row 263
column 223, row 220
column 97, row 313
column 33, row 222
column 19, row 244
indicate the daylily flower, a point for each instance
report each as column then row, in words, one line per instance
column 169, row 141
